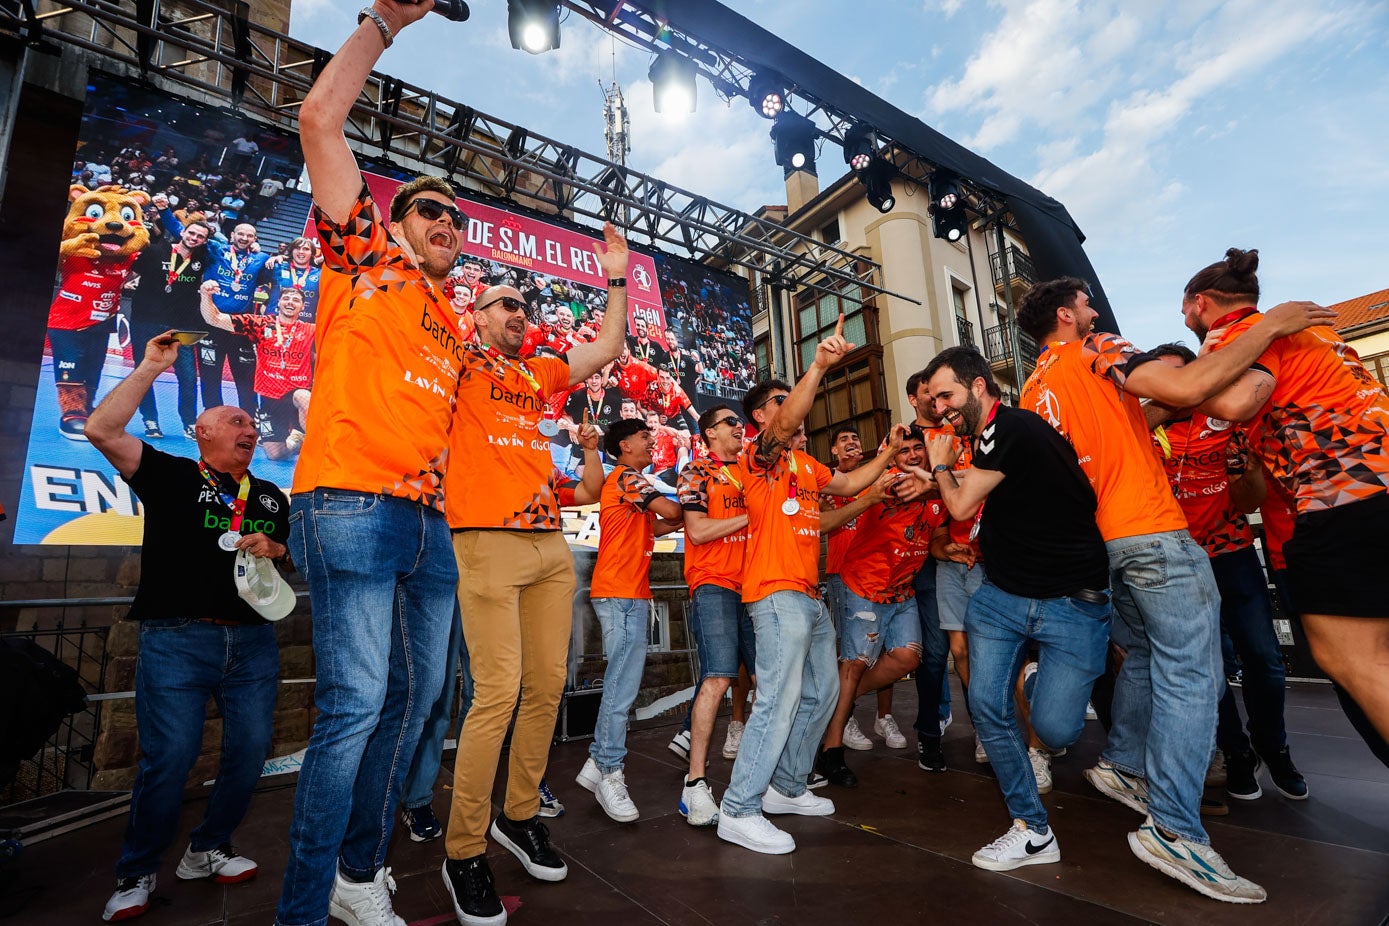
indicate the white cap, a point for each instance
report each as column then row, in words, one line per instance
column 260, row 584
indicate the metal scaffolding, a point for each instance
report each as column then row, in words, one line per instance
column 213, row 48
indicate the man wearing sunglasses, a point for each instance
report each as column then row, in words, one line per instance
column 796, row 668
column 367, row 515
column 516, row 576
column 716, row 523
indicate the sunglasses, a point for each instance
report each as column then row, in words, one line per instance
column 431, row 209
column 507, row 302
column 778, row 399
column 732, row 421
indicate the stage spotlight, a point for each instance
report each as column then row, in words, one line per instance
column 877, row 184
column 673, row 83
column 767, row 95
column 948, row 219
column 860, row 147
column 793, row 140
column 533, row 25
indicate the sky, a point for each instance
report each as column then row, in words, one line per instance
column 1171, row 130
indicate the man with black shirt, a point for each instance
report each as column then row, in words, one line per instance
column 602, row 405
column 643, row 348
column 1046, row 580
column 167, row 297
column 199, row 638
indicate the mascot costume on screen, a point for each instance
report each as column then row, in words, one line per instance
column 104, row 231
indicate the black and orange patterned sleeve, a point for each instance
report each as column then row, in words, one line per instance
column 634, row 490
column 693, row 487
column 361, row 242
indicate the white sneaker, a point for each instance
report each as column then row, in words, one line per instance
column 295, row 440
column 366, row 904
column 1090, row 712
column 945, row 724
column 679, row 744
column 733, row 740
column 221, row 864
column 756, row 833
column 589, row 776
column 1198, row 867
column 1041, row 768
column 612, row 795
column 980, row 755
column 1018, row 847
column 1216, row 774
column 697, row 805
column 805, row 804
column 886, row 727
column 131, row 899
column 854, row 738
column 1127, row 789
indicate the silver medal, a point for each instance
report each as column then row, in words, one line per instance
column 790, row 507
column 229, row 540
column 548, row 426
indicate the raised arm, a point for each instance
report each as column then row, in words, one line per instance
column 106, row 426
column 211, row 314
column 962, row 494
column 590, row 488
column 587, row 359
column 832, row 519
column 784, row 424
column 333, row 172
column 1209, row 374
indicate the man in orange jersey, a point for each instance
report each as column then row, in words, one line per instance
column 1087, row 385
column 797, row 681
column 716, row 525
column 1320, row 422
column 367, row 519
column 631, row 516
column 880, row 633
column 1205, row 462
column 515, row 577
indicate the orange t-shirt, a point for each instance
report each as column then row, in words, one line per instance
column 626, row 536
column 1278, row 514
column 504, row 480
column 891, row 544
column 783, row 551
column 389, row 357
column 708, row 486
column 959, row 530
column 1199, row 472
column 1322, row 432
column 841, row 537
column 1078, row 387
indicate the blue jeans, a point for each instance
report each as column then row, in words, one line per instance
column 956, row 583
column 181, row 664
column 1163, row 723
column 797, row 687
column 932, row 685
column 1073, row 639
column 185, row 371
column 722, row 632
column 382, row 580
column 429, row 754
column 626, row 629
column 1247, row 616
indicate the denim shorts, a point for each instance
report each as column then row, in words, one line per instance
column 869, row 628
column 956, row 583
column 722, row 632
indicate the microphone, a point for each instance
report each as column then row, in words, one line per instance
column 452, row 10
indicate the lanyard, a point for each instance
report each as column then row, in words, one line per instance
column 519, row 366
column 729, row 476
column 237, row 504
column 791, row 483
column 1228, row 319
column 237, row 269
column 299, row 282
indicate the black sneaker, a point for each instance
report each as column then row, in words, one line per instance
column 475, row 900
column 423, row 825
column 831, row 764
column 1242, row 776
column 1286, row 778
column 929, row 756
column 152, row 430
column 529, row 841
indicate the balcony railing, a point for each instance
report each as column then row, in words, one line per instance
column 998, row 346
column 965, row 329
column 1019, row 268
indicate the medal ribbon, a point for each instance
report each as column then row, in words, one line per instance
column 174, row 274
column 298, row 282
column 524, row 371
column 979, row 515
column 791, row 484
column 237, row 504
column 237, row 269
column 729, row 476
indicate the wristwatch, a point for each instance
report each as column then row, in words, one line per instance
column 940, row 468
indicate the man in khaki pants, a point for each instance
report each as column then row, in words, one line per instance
column 515, row 578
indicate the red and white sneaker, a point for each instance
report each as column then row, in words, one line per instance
column 221, row 864
column 132, row 898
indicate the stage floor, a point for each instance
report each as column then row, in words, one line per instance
column 896, row 851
